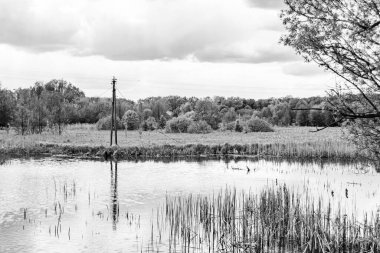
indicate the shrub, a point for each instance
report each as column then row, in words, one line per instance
column 190, row 115
column 178, row 125
column 199, row 127
column 147, row 113
column 131, row 120
column 230, row 126
column 229, row 116
column 238, row 127
column 144, row 126
column 161, row 122
column 105, row 123
column 258, row 125
column 151, row 124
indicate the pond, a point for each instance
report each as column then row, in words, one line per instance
column 53, row 205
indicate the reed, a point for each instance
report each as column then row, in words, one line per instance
column 278, row 219
column 80, row 140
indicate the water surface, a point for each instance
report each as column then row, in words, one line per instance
column 53, row 205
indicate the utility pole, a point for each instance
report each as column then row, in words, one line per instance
column 115, row 103
column 113, row 114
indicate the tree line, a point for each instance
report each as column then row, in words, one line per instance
column 49, row 106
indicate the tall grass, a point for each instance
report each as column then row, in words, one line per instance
column 84, row 126
column 278, row 219
column 285, row 142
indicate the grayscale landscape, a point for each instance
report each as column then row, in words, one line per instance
column 189, row 126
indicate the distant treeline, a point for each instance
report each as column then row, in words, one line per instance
column 49, row 106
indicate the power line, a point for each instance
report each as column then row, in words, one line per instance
column 107, row 90
column 121, row 94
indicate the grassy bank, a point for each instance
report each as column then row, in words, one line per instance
column 84, row 140
column 278, row 219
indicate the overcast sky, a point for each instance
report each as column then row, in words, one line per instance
column 154, row 48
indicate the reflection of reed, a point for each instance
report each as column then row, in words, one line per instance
column 114, row 196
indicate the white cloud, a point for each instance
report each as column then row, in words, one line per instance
column 268, row 4
column 154, row 47
column 303, row 69
column 140, row 79
column 139, row 29
column 37, row 25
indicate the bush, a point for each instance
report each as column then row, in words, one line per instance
column 178, row 125
column 199, row 127
column 105, row 123
column 258, row 125
column 144, row 126
column 131, row 120
column 238, row 127
column 230, row 126
column 151, row 124
column 161, row 122
column 147, row 113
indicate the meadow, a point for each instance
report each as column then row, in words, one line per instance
column 284, row 141
column 86, row 134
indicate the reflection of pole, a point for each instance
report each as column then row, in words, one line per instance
column 114, row 196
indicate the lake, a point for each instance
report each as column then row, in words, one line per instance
column 57, row 205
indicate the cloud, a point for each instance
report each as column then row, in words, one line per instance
column 139, row 79
column 267, row 4
column 38, row 27
column 165, row 30
column 230, row 54
column 302, row 69
column 212, row 30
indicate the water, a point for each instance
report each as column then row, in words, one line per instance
column 55, row 205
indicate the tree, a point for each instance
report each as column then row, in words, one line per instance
column 131, row 120
column 7, row 105
column 22, row 114
column 186, row 108
column 302, row 116
column 38, row 113
column 158, row 108
column 281, row 114
column 208, row 111
column 229, row 116
column 316, row 118
column 174, row 104
column 343, row 38
column 199, row 127
column 178, row 125
column 266, row 113
column 147, row 113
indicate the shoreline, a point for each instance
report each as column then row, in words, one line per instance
column 285, row 143
column 294, row 151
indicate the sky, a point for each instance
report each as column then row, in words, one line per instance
column 154, row 48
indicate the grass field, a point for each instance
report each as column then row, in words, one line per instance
column 87, row 135
column 286, row 141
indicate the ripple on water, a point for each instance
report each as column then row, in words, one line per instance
column 86, row 206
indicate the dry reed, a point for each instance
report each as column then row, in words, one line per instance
column 278, row 219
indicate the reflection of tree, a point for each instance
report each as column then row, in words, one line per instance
column 114, row 197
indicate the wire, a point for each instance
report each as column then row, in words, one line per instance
column 103, row 93
column 121, row 94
